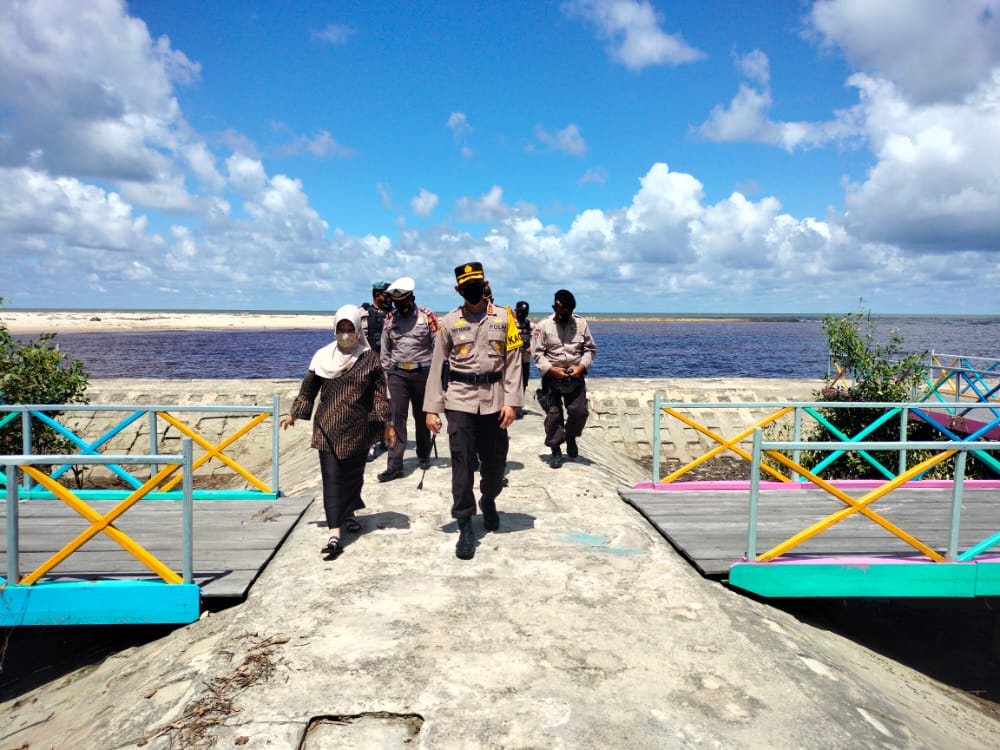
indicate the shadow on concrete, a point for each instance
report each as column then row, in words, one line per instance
column 954, row 641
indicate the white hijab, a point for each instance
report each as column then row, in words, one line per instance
column 337, row 357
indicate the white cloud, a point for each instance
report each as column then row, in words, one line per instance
column 459, row 125
column 931, row 49
column 598, row 175
column 755, row 66
column 745, row 118
column 335, row 34
column 245, row 174
column 321, row 145
column 88, row 92
column 75, row 213
column 568, row 140
column 488, row 207
column 632, row 29
column 424, row 203
column 936, row 183
column 384, row 195
column 461, row 131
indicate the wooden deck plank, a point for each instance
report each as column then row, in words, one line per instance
column 233, row 540
column 710, row 527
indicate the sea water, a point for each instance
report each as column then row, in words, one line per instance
column 781, row 346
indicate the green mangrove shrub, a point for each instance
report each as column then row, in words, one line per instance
column 37, row 372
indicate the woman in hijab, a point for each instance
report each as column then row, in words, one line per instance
column 353, row 413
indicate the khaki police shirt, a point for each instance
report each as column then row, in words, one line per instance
column 408, row 339
column 475, row 344
column 555, row 344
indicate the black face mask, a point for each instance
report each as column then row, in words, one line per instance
column 472, row 293
column 404, row 305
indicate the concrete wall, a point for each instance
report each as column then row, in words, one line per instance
column 621, row 415
column 622, row 411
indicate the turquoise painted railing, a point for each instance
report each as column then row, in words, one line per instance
column 941, row 450
column 155, row 415
column 36, row 599
column 942, row 417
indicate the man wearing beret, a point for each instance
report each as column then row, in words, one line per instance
column 475, row 382
column 407, row 347
column 563, row 351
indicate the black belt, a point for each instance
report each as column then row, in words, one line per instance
column 473, row 379
column 410, row 366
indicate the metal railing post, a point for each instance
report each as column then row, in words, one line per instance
column 797, row 436
column 13, row 548
column 154, row 440
column 187, row 509
column 904, row 425
column 275, row 408
column 956, row 504
column 758, row 436
column 656, row 437
column 26, row 444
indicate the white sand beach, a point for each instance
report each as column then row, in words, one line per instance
column 83, row 321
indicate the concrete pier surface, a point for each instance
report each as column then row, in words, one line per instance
column 575, row 626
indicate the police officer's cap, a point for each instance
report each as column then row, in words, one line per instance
column 401, row 287
column 469, row 272
column 380, row 285
column 522, row 305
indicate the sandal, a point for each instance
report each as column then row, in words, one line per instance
column 352, row 524
column 332, row 546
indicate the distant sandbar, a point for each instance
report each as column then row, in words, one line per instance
column 57, row 321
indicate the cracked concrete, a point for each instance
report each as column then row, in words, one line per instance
column 575, row 626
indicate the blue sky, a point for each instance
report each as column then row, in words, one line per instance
column 650, row 156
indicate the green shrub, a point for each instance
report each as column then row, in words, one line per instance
column 876, row 372
column 36, row 372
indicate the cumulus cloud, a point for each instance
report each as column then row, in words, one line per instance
column 632, row 31
column 87, row 92
column 424, row 203
column 487, row 207
column 933, row 50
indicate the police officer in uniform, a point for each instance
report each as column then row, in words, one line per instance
column 521, row 310
column 563, row 351
column 407, row 347
column 372, row 321
column 475, row 381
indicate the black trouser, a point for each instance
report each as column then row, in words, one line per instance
column 552, row 399
column 470, row 435
column 342, row 483
column 525, row 374
column 406, row 390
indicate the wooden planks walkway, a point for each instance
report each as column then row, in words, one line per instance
column 709, row 527
column 233, row 540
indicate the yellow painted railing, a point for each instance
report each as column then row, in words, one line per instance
column 862, row 505
column 130, row 424
column 172, row 464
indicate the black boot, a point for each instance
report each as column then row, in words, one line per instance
column 491, row 519
column 556, row 461
column 466, row 547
